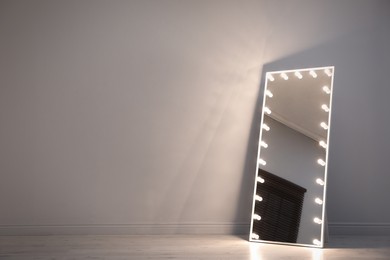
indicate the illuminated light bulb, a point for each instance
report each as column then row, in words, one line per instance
column 326, row 89
column 269, row 93
column 316, row 242
column 320, row 182
column 258, row 198
column 313, row 74
column 284, row 76
column 328, row 72
column 267, row 110
column 323, row 144
column 266, row 127
column 270, row 77
column 262, row 162
column 318, row 201
column 259, row 179
column 321, row 162
column 317, row 221
column 264, row 144
column 325, row 108
column 298, row 75
column 254, row 236
column 256, row 217
column 324, row 125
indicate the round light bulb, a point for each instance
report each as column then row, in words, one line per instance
column 326, row 89
column 325, row 108
column 262, row 162
column 267, row 110
column 323, row 144
column 270, row 77
column 256, row 217
column 328, row 72
column 320, row 182
column 317, row 221
column 298, row 75
column 259, row 179
column 258, row 198
column 316, row 242
column 318, row 201
column 321, row 162
column 313, row 74
column 324, row 125
column 284, row 76
column 269, row 93
column 266, row 127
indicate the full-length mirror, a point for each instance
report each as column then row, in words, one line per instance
column 291, row 173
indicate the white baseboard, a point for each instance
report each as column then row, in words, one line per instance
column 126, row 229
column 190, row 229
column 363, row 229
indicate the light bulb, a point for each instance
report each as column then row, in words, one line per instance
column 320, row 182
column 258, row 198
column 269, row 93
column 328, row 72
column 264, row 144
column 270, row 77
column 324, row 125
column 316, row 242
column 256, row 217
column 254, row 236
column 267, row 110
column 259, row 179
column 323, row 144
column 284, row 76
column 325, row 108
column 317, row 221
column 326, row 89
column 318, row 201
column 262, row 162
column 313, row 74
column 298, row 75
column 321, row 162
column 266, row 127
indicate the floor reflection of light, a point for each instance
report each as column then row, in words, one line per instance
column 255, row 251
column 316, row 253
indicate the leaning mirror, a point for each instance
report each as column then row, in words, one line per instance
column 291, row 173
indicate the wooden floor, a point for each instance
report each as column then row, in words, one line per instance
column 184, row 247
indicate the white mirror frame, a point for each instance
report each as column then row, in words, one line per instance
column 317, row 242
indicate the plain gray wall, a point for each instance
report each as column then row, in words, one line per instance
column 142, row 116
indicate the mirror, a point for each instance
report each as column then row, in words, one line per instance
column 290, row 184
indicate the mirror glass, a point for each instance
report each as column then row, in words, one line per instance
column 290, row 184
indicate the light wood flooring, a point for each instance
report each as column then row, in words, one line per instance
column 184, row 247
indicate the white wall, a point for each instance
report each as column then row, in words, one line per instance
column 142, row 116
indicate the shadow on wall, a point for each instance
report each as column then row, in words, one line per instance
column 355, row 57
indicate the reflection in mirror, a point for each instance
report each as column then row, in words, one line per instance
column 290, row 185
